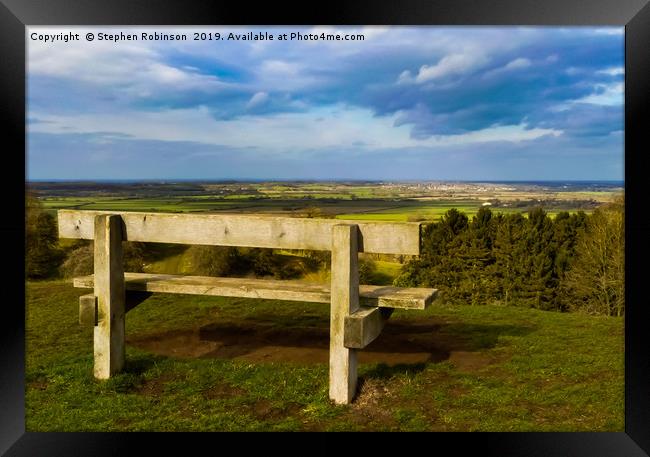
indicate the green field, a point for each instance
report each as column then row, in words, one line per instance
column 380, row 210
column 139, row 204
column 342, row 200
column 212, row 363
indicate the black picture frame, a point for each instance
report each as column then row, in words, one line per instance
column 633, row 14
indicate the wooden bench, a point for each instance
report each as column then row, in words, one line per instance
column 357, row 312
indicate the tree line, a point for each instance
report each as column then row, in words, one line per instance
column 568, row 263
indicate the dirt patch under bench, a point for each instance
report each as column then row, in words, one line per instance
column 401, row 342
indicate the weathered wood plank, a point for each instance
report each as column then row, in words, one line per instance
column 109, row 288
column 398, row 297
column 88, row 310
column 344, row 301
column 363, row 326
column 245, row 230
column 382, row 296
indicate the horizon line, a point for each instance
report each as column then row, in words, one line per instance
column 301, row 180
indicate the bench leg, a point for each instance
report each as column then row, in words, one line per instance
column 344, row 301
column 110, row 292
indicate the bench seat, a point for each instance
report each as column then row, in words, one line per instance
column 379, row 296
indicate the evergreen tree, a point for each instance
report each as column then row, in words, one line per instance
column 510, row 251
column 427, row 270
column 538, row 280
column 474, row 257
column 565, row 234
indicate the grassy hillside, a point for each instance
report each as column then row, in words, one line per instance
column 211, row 363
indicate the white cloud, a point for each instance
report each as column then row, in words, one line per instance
column 605, row 94
column 100, row 64
column 509, row 133
column 518, row 63
column 451, row 65
column 613, row 71
column 283, row 75
column 513, row 65
column 258, row 99
column 405, row 77
column 334, row 126
column 279, row 67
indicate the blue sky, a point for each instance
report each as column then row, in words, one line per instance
column 410, row 103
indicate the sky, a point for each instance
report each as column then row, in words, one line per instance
column 405, row 103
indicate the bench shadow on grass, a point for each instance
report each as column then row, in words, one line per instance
column 403, row 346
column 139, row 364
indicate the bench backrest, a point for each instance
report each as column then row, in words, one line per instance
column 245, row 230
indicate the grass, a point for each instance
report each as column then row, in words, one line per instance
column 422, row 212
column 488, row 369
column 385, row 272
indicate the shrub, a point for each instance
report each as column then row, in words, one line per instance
column 215, row 260
column 42, row 255
column 318, row 260
column 80, row 260
column 596, row 278
column 134, row 255
column 367, row 270
column 291, row 269
column 263, row 262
